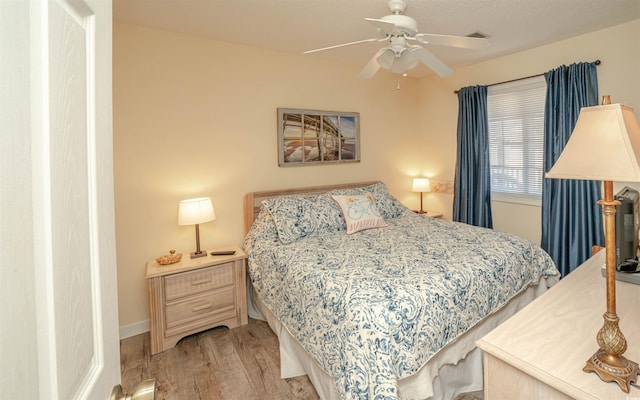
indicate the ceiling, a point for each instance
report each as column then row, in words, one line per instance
column 294, row 26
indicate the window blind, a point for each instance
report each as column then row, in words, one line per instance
column 516, row 133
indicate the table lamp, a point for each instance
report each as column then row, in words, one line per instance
column 421, row 185
column 605, row 146
column 196, row 211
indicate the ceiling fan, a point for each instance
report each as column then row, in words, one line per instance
column 401, row 56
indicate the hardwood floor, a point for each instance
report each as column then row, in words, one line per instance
column 227, row 364
column 220, row 363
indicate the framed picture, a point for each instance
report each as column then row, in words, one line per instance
column 310, row 137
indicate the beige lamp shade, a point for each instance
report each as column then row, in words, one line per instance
column 421, row 185
column 604, row 146
column 196, row 211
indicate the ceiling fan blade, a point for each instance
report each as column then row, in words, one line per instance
column 343, row 45
column 431, row 61
column 372, row 66
column 385, row 26
column 464, row 42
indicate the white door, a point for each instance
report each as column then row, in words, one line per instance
column 58, row 305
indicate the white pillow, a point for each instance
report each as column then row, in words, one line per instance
column 359, row 212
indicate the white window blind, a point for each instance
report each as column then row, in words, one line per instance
column 516, row 134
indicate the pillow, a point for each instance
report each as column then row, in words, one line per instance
column 297, row 217
column 389, row 206
column 262, row 230
column 359, row 212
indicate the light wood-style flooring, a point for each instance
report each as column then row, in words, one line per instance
column 227, row 364
column 220, row 363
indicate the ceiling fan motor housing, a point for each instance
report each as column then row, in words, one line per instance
column 405, row 25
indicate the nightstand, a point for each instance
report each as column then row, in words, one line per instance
column 194, row 295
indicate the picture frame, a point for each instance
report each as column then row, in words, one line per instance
column 313, row 137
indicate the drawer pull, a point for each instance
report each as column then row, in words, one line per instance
column 201, row 281
column 201, row 307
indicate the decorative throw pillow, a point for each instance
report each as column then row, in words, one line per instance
column 359, row 212
column 389, row 206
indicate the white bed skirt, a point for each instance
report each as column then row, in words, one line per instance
column 455, row 369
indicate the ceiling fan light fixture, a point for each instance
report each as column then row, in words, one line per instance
column 398, row 66
column 409, row 60
column 398, row 45
column 386, row 59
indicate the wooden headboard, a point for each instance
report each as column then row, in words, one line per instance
column 253, row 200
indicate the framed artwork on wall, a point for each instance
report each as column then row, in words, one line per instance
column 311, row 137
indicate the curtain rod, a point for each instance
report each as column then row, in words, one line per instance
column 596, row 62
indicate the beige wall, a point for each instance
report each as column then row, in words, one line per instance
column 196, row 117
column 619, row 75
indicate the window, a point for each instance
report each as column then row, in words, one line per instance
column 516, row 132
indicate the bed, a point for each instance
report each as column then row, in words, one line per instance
column 374, row 301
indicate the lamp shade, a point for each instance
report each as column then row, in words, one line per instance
column 604, row 145
column 421, row 185
column 196, row 211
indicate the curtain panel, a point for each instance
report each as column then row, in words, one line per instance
column 472, row 189
column 571, row 216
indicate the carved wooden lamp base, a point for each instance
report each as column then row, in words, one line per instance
column 608, row 362
column 613, row 369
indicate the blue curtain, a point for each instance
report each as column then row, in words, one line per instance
column 571, row 216
column 472, row 190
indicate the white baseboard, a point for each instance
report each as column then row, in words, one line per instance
column 134, row 329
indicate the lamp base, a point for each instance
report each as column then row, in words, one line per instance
column 198, row 254
column 613, row 368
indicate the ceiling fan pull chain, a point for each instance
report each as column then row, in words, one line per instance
column 398, row 87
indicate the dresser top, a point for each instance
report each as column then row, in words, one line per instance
column 552, row 338
column 186, row 263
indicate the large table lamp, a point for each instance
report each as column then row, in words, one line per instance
column 421, row 185
column 196, row 212
column 605, row 146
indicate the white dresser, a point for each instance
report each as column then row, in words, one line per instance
column 539, row 353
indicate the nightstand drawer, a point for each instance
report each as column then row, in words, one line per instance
column 198, row 281
column 217, row 304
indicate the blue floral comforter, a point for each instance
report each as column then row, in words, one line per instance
column 375, row 306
